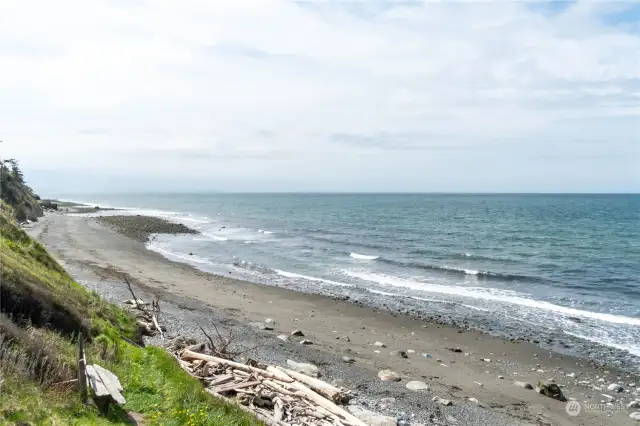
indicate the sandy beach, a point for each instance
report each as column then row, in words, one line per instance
column 475, row 371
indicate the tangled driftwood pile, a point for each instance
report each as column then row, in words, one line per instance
column 276, row 395
column 147, row 319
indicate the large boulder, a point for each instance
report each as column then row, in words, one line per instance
column 551, row 390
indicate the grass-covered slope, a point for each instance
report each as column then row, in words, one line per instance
column 42, row 312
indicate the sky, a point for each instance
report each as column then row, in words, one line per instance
column 270, row 95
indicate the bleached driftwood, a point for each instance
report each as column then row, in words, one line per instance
column 323, row 388
column 157, row 326
column 275, row 395
column 323, row 402
column 277, row 375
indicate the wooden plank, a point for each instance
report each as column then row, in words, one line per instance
column 108, row 378
column 98, row 387
column 221, row 380
column 111, row 382
column 234, row 386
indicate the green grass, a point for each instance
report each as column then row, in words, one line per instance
column 35, row 355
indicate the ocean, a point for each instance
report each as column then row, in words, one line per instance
column 563, row 270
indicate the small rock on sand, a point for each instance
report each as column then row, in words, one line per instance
column 401, row 354
column 380, row 345
column 298, row 333
column 486, row 359
column 348, row 360
column 417, row 386
column 475, row 401
column 633, row 404
column 270, row 321
column 261, row 326
column 389, row 376
column 304, row 368
column 306, row 342
column 635, row 416
column 442, row 401
column 614, row 387
column 371, row 418
column 283, row 337
column 523, row 385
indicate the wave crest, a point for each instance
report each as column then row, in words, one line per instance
column 363, row 256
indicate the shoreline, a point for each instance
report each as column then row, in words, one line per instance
column 329, row 320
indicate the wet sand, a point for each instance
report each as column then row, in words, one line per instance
column 102, row 253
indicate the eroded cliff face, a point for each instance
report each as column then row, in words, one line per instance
column 15, row 192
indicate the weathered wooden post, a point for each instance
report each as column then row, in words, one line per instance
column 82, row 370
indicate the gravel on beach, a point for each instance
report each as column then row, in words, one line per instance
column 140, row 228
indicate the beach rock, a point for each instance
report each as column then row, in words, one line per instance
column 417, row 386
column 386, row 403
column 571, row 375
column 633, row 404
column 270, row 321
column 500, row 377
column 523, row 385
column 380, row 345
column 442, row 401
column 486, row 359
column 475, row 401
column 456, row 350
column 306, row 342
column 635, row 416
column 283, row 337
column 411, row 351
column 614, row 387
column 304, row 368
column 401, row 354
column 298, row 333
column 346, row 339
column 551, row 390
column 348, row 360
column 261, row 326
column 371, row 418
column 389, row 376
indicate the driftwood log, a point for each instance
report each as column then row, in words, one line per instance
column 275, row 395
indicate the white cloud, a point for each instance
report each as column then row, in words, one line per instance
column 329, row 92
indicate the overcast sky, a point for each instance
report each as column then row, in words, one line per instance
column 195, row 95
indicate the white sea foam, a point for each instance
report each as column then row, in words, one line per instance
column 178, row 256
column 634, row 350
column 490, row 294
column 213, row 237
column 363, row 256
column 309, row 278
column 383, row 293
column 466, row 271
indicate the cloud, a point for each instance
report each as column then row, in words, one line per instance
column 390, row 95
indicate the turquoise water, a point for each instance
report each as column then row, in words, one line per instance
column 563, row 269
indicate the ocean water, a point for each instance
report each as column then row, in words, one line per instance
column 561, row 269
